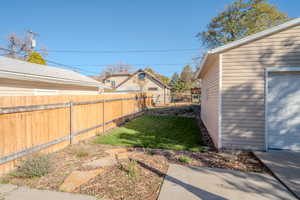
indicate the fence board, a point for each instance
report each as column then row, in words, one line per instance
column 43, row 123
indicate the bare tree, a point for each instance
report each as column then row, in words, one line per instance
column 20, row 47
column 118, row 68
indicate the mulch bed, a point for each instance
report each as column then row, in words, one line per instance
column 243, row 161
column 150, row 166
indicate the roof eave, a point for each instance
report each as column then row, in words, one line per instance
column 245, row 40
column 200, row 68
column 29, row 77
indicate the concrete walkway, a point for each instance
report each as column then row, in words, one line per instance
column 13, row 192
column 191, row 183
column 285, row 165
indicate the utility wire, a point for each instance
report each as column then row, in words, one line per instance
column 77, row 69
column 121, row 51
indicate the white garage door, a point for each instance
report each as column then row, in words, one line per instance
column 283, row 111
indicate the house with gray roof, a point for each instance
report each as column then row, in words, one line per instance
column 21, row 78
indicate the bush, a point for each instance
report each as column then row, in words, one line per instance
column 80, row 152
column 185, row 159
column 131, row 169
column 35, row 166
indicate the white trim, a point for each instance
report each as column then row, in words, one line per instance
column 201, row 66
column 247, row 39
column 266, row 111
column 47, row 92
column 283, row 69
column 267, row 71
column 220, row 100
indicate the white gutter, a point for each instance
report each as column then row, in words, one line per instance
column 47, row 79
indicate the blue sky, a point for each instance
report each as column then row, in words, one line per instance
column 118, row 25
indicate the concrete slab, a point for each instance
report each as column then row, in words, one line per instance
column 193, row 183
column 25, row 193
column 285, row 165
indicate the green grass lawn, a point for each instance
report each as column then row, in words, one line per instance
column 159, row 132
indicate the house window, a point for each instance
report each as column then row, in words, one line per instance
column 152, row 89
column 113, row 84
column 142, row 76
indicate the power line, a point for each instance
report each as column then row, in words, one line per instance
column 122, row 51
column 151, row 64
column 77, row 69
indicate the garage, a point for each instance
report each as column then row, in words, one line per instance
column 283, row 108
column 251, row 91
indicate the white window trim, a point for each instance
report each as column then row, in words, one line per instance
column 267, row 71
column 220, row 101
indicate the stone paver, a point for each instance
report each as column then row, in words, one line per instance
column 77, row 178
column 124, row 155
column 285, row 165
column 116, row 151
column 12, row 192
column 103, row 162
column 193, row 183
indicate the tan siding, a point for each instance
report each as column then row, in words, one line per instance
column 116, row 79
column 161, row 95
column 210, row 101
column 243, row 86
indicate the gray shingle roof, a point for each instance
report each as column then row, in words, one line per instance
column 22, row 70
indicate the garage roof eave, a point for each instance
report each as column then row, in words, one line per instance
column 201, row 66
column 245, row 40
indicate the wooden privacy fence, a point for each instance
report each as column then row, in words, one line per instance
column 49, row 123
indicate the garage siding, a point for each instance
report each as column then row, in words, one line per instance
column 210, row 101
column 243, row 86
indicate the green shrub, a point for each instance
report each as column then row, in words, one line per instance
column 35, row 166
column 185, row 159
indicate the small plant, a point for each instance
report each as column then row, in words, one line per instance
column 131, row 169
column 35, row 166
column 4, row 181
column 80, row 152
column 185, row 159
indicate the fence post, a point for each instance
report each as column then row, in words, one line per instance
column 72, row 121
column 122, row 109
column 103, row 121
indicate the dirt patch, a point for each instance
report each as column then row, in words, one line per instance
column 243, row 161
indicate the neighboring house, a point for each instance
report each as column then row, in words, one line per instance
column 115, row 79
column 146, row 82
column 20, row 78
column 251, row 90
